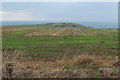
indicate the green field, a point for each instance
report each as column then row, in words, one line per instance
column 51, row 44
column 104, row 40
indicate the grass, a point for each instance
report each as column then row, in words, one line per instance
column 61, row 48
column 53, row 44
column 17, row 40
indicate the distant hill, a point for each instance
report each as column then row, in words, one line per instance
column 65, row 25
column 56, row 25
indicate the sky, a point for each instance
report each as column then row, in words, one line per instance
column 60, row 11
column 60, row 0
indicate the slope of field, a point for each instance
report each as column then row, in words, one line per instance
column 51, row 49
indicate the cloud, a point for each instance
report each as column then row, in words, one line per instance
column 26, row 16
column 18, row 16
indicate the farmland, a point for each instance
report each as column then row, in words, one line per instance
column 60, row 51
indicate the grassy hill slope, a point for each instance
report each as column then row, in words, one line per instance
column 56, row 25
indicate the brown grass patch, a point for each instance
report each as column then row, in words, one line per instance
column 82, row 66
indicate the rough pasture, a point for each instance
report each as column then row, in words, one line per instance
column 60, row 52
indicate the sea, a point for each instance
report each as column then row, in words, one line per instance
column 88, row 24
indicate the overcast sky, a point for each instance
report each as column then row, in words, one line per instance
column 76, row 11
column 60, row 0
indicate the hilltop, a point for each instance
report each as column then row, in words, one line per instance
column 65, row 25
column 56, row 25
